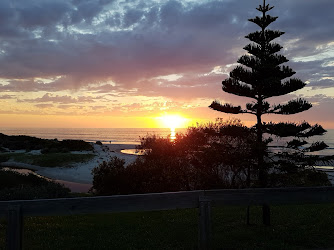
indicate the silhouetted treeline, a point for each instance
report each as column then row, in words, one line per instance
column 213, row 156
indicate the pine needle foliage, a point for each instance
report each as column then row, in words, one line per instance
column 260, row 76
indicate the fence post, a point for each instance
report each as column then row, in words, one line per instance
column 14, row 228
column 266, row 214
column 204, row 223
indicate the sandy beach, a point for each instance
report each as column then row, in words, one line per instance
column 78, row 177
column 81, row 172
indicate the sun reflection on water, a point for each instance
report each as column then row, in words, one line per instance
column 172, row 134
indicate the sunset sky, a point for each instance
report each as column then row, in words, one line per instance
column 129, row 63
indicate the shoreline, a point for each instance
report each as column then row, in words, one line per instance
column 78, row 177
column 81, row 172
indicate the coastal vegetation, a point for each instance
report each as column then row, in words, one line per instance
column 16, row 186
column 50, row 153
column 213, row 156
column 37, row 152
column 28, row 143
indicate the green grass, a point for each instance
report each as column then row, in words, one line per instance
column 147, row 230
column 49, row 160
column 293, row 227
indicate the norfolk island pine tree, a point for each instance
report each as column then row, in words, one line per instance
column 261, row 76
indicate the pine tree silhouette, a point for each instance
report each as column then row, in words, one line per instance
column 261, row 76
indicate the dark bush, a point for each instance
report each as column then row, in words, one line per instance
column 213, row 156
column 14, row 186
column 49, row 190
column 76, row 145
column 32, row 143
column 111, row 175
column 21, row 142
column 217, row 155
column 300, row 178
column 4, row 158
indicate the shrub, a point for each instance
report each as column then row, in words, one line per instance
column 76, row 145
column 16, row 186
column 111, row 177
column 211, row 156
column 32, row 143
column 215, row 155
column 49, row 190
column 4, row 157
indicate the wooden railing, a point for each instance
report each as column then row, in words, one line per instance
column 16, row 210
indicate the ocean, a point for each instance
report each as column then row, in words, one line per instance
column 105, row 135
column 125, row 135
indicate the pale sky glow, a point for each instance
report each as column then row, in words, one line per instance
column 115, row 63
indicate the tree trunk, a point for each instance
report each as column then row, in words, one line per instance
column 260, row 156
column 261, row 164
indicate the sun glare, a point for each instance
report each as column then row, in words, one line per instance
column 173, row 121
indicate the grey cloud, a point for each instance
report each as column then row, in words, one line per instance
column 114, row 21
column 86, row 10
column 312, row 71
column 105, row 88
column 327, row 83
column 4, row 97
column 187, row 88
column 171, row 13
column 99, row 108
column 171, row 37
column 23, row 86
column 44, row 105
column 321, row 99
column 66, row 106
column 131, row 17
column 7, row 13
column 146, row 51
column 319, row 112
column 41, row 13
column 59, row 99
column 30, row 85
column 311, row 19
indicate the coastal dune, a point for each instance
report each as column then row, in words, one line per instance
column 80, row 174
column 78, row 177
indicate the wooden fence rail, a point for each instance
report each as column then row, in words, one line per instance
column 16, row 210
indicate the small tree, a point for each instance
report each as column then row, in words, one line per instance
column 261, row 76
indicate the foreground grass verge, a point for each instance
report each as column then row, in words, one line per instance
column 49, row 160
column 293, row 227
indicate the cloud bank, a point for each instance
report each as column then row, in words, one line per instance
column 134, row 48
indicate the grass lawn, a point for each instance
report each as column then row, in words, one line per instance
column 293, row 227
column 49, row 160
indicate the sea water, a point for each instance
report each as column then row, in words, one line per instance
column 127, row 135
column 105, row 135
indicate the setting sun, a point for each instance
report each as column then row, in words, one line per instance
column 173, row 121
